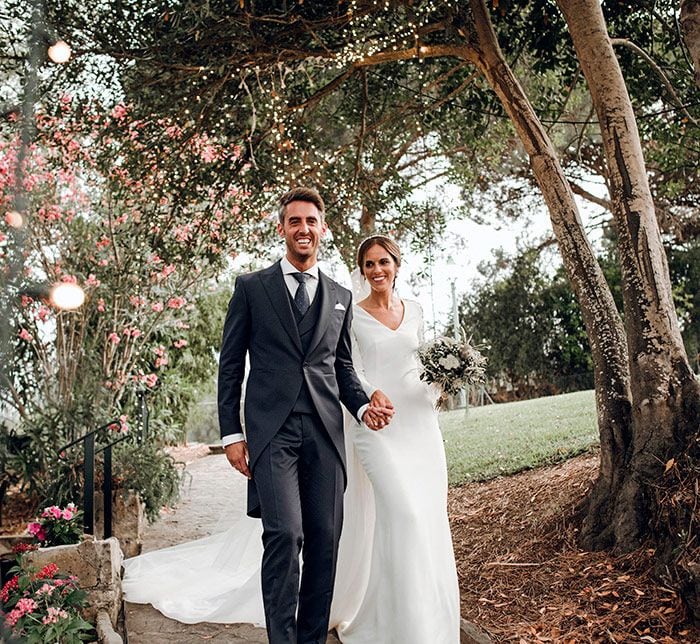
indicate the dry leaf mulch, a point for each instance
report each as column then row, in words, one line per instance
column 523, row 579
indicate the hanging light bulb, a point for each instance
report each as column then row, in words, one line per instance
column 14, row 218
column 60, row 52
column 67, row 296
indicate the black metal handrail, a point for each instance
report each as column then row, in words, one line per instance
column 90, row 450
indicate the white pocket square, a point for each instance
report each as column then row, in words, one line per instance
column 339, row 307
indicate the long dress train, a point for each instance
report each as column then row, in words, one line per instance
column 396, row 581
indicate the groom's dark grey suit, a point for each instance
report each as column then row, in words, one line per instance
column 300, row 371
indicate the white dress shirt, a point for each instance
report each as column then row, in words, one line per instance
column 292, row 285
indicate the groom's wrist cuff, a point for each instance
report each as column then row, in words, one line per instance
column 230, row 439
column 361, row 412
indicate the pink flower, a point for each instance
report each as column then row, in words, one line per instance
column 13, row 617
column 43, row 313
column 34, row 528
column 52, row 213
column 26, row 605
column 161, row 362
column 157, row 307
column 92, row 281
column 3, row 237
column 119, row 112
column 69, row 279
column 123, row 427
column 25, row 335
column 103, row 262
column 101, row 305
column 178, row 344
column 176, row 302
column 167, row 271
column 137, row 300
column 67, row 514
column 46, row 589
column 53, row 615
column 159, row 350
column 209, row 154
column 151, row 380
column 114, row 338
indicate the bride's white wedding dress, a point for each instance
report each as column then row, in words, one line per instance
column 396, row 581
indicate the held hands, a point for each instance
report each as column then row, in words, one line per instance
column 237, row 455
column 379, row 412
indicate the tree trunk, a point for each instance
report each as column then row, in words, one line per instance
column 602, row 321
column 690, row 26
column 665, row 393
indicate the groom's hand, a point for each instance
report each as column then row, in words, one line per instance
column 379, row 412
column 237, row 455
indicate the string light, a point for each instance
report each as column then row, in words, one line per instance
column 67, row 296
column 60, row 52
column 14, row 219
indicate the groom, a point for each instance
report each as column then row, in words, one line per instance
column 294, row 324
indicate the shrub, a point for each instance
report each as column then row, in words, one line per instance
column 42, row 606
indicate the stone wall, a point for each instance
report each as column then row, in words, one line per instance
column 96, row 564
column 128, row 520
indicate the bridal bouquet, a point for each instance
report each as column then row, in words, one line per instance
column 451, row 364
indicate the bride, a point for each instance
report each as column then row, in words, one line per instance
column 396, row 580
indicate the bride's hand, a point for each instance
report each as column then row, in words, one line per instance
column 237, row 455
column 379, row 412
column 373, row 419
column 380, row 403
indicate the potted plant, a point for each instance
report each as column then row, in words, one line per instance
column 43, row 605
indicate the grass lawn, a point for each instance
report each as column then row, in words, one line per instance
column 503, row 439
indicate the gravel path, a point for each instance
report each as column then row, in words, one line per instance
column 213, row 497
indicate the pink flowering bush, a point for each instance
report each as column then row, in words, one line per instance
column 143, row 237
column 57, row 526
column 41, row 606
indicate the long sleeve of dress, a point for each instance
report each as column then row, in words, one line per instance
column 359, row 367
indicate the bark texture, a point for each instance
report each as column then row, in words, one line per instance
column 690, row 27
column 603, row 323
column 665, row 394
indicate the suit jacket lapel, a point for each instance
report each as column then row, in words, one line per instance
column 326, row 291
column 273, row 281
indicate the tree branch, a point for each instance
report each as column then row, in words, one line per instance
column 659, row 72
column 588, row 196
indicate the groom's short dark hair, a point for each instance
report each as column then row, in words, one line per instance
column 300, row 194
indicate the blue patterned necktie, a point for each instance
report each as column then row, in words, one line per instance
column 301, row 297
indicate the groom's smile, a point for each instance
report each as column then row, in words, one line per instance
column 303, row 228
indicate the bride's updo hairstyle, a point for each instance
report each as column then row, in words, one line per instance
column 387, row 243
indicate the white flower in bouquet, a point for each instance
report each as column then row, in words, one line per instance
column 451, row 364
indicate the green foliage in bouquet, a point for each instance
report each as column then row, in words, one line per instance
column 451, row 364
